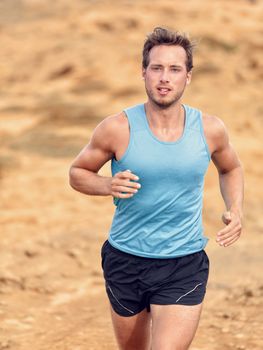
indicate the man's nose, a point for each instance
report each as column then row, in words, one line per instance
column 164, row 78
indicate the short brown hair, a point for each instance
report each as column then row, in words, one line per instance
column 162, row 36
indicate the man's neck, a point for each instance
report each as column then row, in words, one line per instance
column 163, row 118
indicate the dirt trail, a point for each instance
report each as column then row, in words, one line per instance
column 63, row 67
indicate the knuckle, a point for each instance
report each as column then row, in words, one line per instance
column 114, row 180
column 118, row 175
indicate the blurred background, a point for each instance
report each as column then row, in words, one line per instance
column 64, row 66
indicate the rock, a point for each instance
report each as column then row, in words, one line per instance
column 30, row 253
column 61, row 72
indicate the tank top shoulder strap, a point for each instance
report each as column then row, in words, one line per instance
column 194, row 118
column 195, row 122
column 135, row 117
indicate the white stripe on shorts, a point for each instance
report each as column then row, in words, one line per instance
column 190, row 291
column 118, row 300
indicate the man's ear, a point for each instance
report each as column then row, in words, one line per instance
column 143, row 73
column 189, row 77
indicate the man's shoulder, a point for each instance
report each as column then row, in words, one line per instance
column 213, row 125
column 212, row 120
column 114, row 123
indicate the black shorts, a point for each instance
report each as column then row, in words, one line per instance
column 134, row 282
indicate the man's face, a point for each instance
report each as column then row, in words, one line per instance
column 166, row 75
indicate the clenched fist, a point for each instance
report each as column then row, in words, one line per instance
column 123, row 185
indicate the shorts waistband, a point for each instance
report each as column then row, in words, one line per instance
column 137, row 257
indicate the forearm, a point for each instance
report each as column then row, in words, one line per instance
column 232, row 189
column 88, row 182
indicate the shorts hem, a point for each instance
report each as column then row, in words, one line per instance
column 178, row 303
column 128, row 314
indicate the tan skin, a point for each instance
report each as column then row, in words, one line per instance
column 165, row 78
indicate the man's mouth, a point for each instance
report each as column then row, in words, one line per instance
column 163, row 90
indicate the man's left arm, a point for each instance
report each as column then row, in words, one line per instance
column 231, row 184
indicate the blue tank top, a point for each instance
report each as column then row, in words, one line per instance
column 164, row 218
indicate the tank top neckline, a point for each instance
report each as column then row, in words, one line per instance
column 155, row 137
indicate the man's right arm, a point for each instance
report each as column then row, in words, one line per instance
column 83, row 174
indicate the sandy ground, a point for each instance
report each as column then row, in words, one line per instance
column 66, row 65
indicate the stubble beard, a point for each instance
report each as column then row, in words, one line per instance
column 162, row 103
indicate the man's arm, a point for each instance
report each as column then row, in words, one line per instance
column 83, row 174
column 230, row 179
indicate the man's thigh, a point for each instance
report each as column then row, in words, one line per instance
column 174, row 326
column 133, row 332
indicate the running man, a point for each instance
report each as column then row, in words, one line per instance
column 154, row 263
